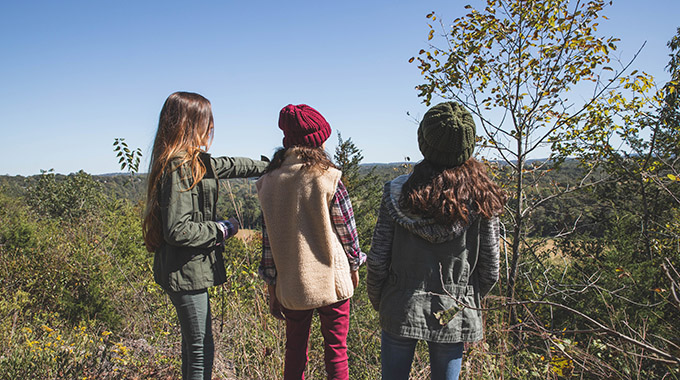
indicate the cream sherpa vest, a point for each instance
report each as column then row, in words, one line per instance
column 312, row 269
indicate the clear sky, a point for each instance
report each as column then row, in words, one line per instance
column 74, row 75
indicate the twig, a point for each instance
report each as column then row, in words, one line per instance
column 233, row 201
column 642, row 344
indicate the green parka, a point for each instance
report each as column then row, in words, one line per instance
column 190, row 257
column 427, row 279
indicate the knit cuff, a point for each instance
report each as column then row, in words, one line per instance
column 227, row 228
column 356, row 262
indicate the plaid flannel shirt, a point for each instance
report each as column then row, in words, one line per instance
column 342, row 216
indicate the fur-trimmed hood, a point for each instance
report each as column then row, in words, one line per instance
column 427, row 228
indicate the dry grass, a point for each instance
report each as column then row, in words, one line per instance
column 246, row 234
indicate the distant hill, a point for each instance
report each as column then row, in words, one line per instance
column 133, row 187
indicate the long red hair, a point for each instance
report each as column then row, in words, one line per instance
column 185, row 129
column 449, row 195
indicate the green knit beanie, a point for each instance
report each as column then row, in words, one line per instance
column 446, row 135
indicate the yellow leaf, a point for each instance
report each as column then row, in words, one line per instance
column 411, row 60
column 672, row 177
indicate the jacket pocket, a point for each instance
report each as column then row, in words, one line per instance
column 451, row 305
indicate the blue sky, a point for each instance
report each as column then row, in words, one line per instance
column 75, row 75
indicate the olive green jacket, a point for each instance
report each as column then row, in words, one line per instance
column 427, row 279
column 190, row 257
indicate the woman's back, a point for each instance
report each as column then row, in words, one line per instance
column 429, row 273
column 434, row 254
column 311, row 265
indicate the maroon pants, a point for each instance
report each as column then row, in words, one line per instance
column 334, row 326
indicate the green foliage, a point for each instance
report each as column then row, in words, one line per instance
column 594, row 270
column 238, row 198
column 127, row 158
column 81, row 352
column 597, row 296
column 69, row 197
column 348, row 157
column 17, row 231
column 116, row 186
column 364, row 189
column 515, row 66
column 95, row 277
column 77, row 263
column 520, row 57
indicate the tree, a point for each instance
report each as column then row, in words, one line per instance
column 641, row 141
column 364, row 189
column 646, row 162
column 515, row 66
column 67, row 197
column 537, row 76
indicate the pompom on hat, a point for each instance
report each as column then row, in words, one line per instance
column 446, row 135
column 303, row 125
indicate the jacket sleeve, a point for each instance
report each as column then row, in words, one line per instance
column 380, row 256
column 489, row 261
column 179, row 227
column 237, row 167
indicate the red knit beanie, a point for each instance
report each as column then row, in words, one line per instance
column 303, row 125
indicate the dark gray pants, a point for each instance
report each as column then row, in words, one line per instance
column 198, row 349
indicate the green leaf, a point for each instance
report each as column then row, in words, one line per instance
column 446, row 316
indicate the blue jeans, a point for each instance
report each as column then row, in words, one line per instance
column 397, row 355
column 198, row 349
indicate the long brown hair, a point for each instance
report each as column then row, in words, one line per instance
column 449, row 195
column 185, row 129
column 310, row 157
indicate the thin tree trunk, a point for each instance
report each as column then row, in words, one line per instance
column 517, row 233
